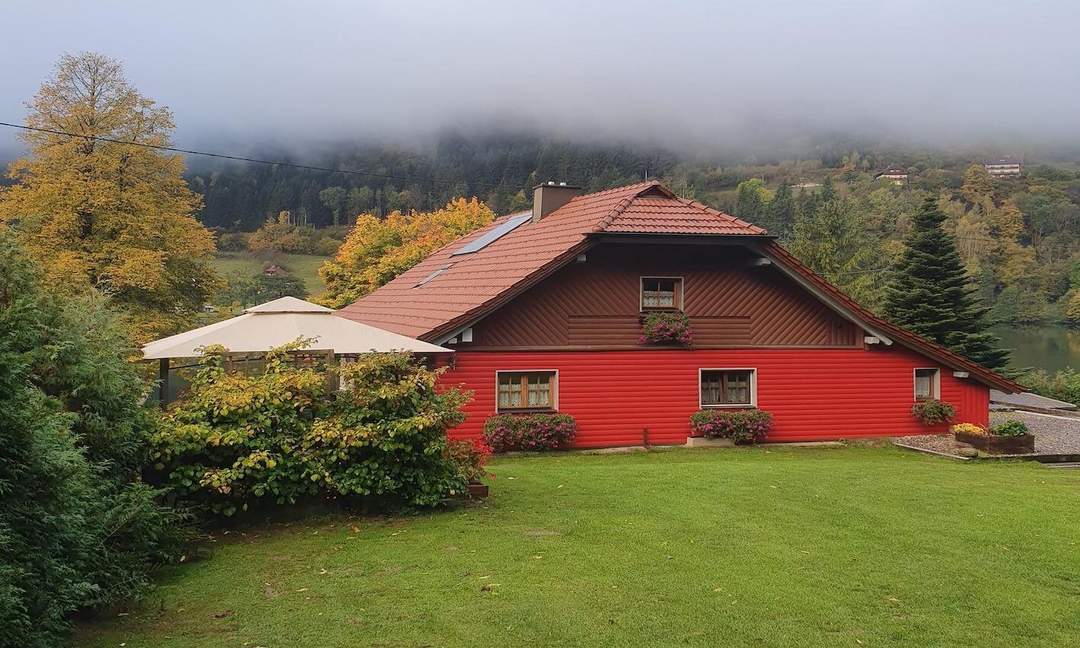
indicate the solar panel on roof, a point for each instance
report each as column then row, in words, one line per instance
column 431, row 276
column 511, row 224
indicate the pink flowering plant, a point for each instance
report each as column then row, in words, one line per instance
column 742, row 426
column 666, row 327
column 507, row 432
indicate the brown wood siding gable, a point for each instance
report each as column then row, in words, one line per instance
column 730, row 302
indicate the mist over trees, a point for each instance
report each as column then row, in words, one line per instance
column 1017, row 237
column 499, row 169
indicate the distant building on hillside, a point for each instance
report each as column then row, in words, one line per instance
column 897, row 176
column 1005, row 167
column 806, row 185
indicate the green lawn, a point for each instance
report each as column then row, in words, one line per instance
column 305, row 266
column 754, row 547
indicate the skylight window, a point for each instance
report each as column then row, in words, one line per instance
column 511, row 224
column 432, row 276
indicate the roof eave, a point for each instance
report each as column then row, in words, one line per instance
column 872, row 323
column 470, row 317
column 710, row 237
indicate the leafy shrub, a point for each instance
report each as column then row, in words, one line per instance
column 283, row 435
column 742, row 426
column 78, row 528
column 506, row 432
column 286, row 234
column 471, row 457
column 968, row 428
column 1011, row 428
column 933, row 411
column 1063, row 385
column 232, row 241
column 665, row 327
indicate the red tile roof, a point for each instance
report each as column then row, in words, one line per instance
column 471, row 285
column 471, row 281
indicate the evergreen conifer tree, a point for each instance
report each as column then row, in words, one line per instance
column 781, row 213
column 929, row 293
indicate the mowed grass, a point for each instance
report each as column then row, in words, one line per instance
column 304, row 266
column 754, row 547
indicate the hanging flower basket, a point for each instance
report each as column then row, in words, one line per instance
column 666, row 328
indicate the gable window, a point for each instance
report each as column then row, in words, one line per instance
column 527, row 390
column 661, row 293
column 927, row 384
column 728, row 388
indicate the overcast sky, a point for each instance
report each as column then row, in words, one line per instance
column 682, row 72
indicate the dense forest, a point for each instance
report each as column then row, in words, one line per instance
column 497, row 169
column 1019, row 236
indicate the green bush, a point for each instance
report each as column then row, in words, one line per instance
column 282, row 234
column 1012, row 428
column 78, row 529
column 471, row 457
column 933, row 411
column 742, row 426
column 231, row 241
column 283, row 435
column 1063, row 385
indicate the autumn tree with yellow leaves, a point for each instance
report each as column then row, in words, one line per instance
column 109, row 215
column 377, row 250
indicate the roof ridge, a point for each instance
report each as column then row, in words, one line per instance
column 621, row 206
column 643, row 183
column 615, row 212
column 716, row 212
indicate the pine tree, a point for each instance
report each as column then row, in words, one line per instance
column 930, row 295
column 752, row 200
column 834, row 242
column 781, row 213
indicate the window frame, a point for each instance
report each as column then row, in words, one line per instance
column 935, row 384
column 753, row 389
column 680, row 294
column 553, row 391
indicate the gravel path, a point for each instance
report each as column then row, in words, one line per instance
column 1053, row 434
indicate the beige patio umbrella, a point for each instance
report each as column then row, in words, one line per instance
column 279, row 322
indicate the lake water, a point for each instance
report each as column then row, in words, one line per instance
column 1045, row 347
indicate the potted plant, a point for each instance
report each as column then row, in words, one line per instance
column 471, row 457
column 1008, row 437
column 932, row 411
column 529, row 432
column 666, row 327
column 743, row 427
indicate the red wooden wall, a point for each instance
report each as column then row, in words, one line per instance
column 813, row 394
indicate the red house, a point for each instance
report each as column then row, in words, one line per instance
column 545, row 308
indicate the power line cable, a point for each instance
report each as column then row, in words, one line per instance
column 237, row 158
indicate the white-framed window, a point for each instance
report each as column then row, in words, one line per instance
column 927, row 383
column 661, row 293
column 727, row 387
column 530, row 390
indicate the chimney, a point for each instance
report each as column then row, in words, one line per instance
column 547, row 197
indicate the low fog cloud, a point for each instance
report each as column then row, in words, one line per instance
column 701, row 74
